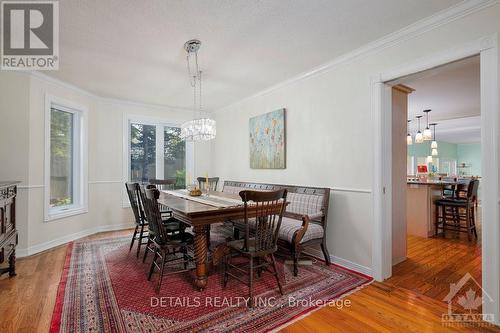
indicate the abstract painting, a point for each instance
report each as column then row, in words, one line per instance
column 267, row 141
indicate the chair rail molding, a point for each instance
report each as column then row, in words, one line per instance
column 487, row 48
column 348, row 189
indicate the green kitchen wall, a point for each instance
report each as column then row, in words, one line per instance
column 470, row 154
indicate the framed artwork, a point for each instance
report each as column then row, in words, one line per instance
column 268, row 141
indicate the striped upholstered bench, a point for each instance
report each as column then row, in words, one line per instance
column 304, row 222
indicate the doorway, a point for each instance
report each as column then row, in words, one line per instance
column 486, row 48
column 436, row 156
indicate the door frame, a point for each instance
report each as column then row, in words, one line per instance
column 487, row 48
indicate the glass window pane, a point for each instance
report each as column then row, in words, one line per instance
column 61, row 158
column 175, row 156
column 142, row 152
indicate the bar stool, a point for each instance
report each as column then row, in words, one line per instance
column 458, row 214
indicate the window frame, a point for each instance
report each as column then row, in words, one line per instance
column 160, row 124
column 80, row 159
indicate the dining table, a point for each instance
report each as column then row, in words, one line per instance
column 200, row 212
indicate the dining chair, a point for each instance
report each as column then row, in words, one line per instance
column 171, row 224
column 212, row 186
column 165, row 243
column 141, row 225
column 268, row 209
column 212, row 183
column 163, row 184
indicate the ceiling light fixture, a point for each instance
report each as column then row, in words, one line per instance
column 409, row 139
column 427, row 131
column 419, row 138
column 434, row 143
column 202, row 128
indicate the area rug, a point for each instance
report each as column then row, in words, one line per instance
column 104, row 288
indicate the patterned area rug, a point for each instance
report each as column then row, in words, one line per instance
column 104, row 288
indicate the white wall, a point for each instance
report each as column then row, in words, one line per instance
column 329, row 129
column 14, row 137
column 22, row 103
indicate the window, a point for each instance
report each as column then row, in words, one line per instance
column 66, row 160
column 155, row 150
column 142, row 152
column 174, row 156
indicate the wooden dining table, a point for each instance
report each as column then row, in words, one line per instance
column 200, row 213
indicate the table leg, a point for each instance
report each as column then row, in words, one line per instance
column 200, row 256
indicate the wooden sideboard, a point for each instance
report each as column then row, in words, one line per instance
column 8, row 231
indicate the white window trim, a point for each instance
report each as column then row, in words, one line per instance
column 127, row 120
column 81, row 156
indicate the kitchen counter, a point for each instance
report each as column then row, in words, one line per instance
column 432, row 182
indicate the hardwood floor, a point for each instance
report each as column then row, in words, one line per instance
column 397, row 305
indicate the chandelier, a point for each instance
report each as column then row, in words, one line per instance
column 201, row 128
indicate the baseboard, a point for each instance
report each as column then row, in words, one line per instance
column 20, row 253
column 396, row 261
column 343, row 262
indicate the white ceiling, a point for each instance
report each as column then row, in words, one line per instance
column 452, row 92
column 134, row 50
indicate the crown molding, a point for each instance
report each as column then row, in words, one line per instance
column 422, row 26
column 49, row 79
column 108, row 100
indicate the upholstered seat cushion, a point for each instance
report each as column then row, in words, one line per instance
column 289, row 226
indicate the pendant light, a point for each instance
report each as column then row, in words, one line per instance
column 434, row 144
column 200, row 128
column 427, row 131
column 429, row 159
column 419, row 138
column 409, row 139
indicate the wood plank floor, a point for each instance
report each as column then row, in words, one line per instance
column 397, row 305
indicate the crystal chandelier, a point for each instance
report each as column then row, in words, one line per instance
column 198, row 129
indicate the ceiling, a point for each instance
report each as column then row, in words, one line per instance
column 133, row 50
column 452, row 92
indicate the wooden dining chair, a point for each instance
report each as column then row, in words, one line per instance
column 212, row 186
column 165, row 244
column 268, row 209
column 141, row 224
column 163, row 184
column 171, row 224
column 212, row 183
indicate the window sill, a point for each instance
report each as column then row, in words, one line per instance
column 57, row 215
